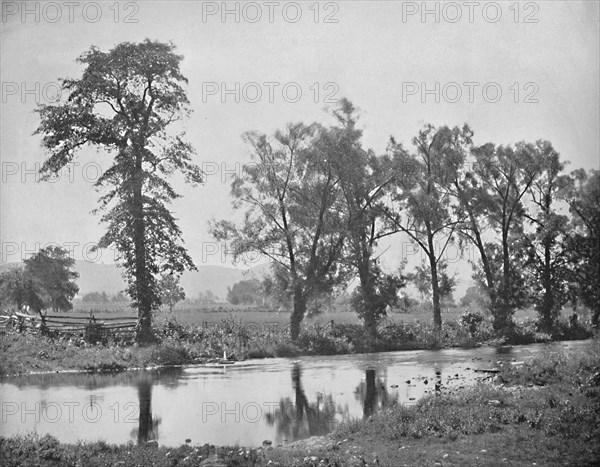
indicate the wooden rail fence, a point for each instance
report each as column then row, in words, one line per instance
column 91, row 328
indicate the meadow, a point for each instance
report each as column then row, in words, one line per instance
column 214, row 313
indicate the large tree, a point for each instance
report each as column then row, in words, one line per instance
column 421, row 205
column 582, row 194
column 125, row 102
column 171, row 291
column 51, row 268
column 504, row 174
column 365, row 180
column 546, row 244
column 291, row 197
column 20, row 288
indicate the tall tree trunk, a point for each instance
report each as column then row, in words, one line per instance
column 144, row 325
column 298, row 313
column 502, row 313
column 596, row 259
column 435, row 285
column 485, row 262
column 368, row 298
column 548, row 307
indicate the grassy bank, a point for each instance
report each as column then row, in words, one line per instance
column 545, row 412
column 180, row 343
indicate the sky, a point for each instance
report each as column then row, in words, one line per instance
column 512, row 70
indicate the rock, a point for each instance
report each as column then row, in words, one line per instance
column 494, row 403
column 267, row 442
column 394, row 386
column 151, row 443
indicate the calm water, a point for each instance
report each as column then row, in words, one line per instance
column 245, row 403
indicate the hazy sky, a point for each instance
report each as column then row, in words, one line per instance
column 381, row 55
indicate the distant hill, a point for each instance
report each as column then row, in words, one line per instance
column 96, row 277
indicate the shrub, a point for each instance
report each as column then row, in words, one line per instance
column 471, row 320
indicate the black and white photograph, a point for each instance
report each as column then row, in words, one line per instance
column 301, row 233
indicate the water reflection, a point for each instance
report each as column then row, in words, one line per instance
column 373, row 393
column 147, row 424
column 299, row 419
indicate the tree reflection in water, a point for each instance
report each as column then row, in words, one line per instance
column 373, row 394
column 301, row 419
column 147, row 424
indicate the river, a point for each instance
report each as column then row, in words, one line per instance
column 245, row 403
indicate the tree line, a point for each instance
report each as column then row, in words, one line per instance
column 317, row 203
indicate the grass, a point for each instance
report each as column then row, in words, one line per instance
column 545, row 412
column 211, row 313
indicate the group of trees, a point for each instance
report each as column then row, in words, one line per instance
column 246, row 292
column 102, row 297
column 44, row 281
column 317, row 203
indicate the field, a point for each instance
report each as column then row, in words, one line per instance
column 214, row 313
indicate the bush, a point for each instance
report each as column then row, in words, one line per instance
column 471, row 320
column 323, row 340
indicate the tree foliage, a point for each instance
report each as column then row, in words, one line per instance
column 170, row 291
column 20, row 288
column 247, row 292
column 421, row 278
column 51, row 268
column 45, row 281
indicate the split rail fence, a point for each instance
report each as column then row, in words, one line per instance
column 89, row 327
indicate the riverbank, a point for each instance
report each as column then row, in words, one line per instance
column 179, row 344
column 543, row 412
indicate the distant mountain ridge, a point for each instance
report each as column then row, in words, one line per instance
column 96, row 277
